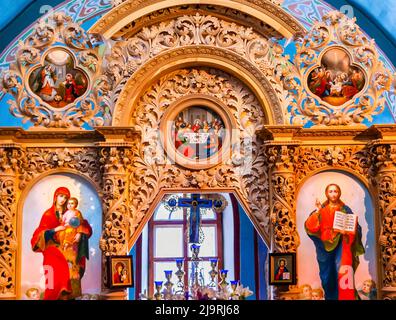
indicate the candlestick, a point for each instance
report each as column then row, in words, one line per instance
column 168, row 284
column 223, row 275
column 234, row 285
column 158, row 286
column 213, row 273
column 180, row 275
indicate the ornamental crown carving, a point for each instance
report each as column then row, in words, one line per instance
column 55, row 82
column 132, row 54
column 338, row 78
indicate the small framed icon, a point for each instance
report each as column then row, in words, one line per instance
column 282, row 269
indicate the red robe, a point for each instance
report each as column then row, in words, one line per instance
column 54, row 261
column 117, row 278
column 318, row 86
column 72, row 90
column 279, row 273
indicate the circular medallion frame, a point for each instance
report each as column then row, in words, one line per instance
column 170, row 117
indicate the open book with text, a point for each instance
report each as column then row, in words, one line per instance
column 344, row 222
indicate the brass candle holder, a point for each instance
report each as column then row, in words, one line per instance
column 168, row 284
column 213, row 273
column 158, row 287
column 234, row 285
column 223, row 276
column 180, row 275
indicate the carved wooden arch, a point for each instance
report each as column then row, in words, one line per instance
column 291, row 166
column 362, row 178
column 243, row 170
column 372, row 194
column 265, row 10
column 19, row 212
column 182, row 57
column 349, row 164
column 172, row 13
column 166, row 191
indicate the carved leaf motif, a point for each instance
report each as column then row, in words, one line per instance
column 8, row 238
column 190, row 30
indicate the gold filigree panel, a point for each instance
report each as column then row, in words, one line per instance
column 383, row 171
column 315, row 159
column 225, row 40
column 8, row 234
column 56, row 81
column 281, row 162
column 338, row 78
column 224, row 13
column 195, row 55
column 268, row 11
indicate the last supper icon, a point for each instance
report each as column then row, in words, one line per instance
column 336, row 81
column 58, row 82
column 198, row 132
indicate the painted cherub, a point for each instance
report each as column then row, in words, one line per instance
column 306, row 292
column 368, row 290
column 33, row 293
column 317, row 294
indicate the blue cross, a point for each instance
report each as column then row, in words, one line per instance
column 195, row 203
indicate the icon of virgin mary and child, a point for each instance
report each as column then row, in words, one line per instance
column 62, row 238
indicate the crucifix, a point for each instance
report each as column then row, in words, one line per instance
column 195, row 203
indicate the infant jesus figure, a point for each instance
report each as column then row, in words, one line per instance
column 71, row 220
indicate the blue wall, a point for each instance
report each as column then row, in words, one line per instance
column 248, row 236
column 131, row 291
column 262, row 268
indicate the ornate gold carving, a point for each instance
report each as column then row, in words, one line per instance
column 8, row 236
column 35, row 161
column 244, row 171
column 115, row 162
column 241, row 102
column 343, row 157
column 337, row 30
column 123, row 101
column 220, row 12
column 31, row 54
column 383, row 167
column 281, row 161
column 208, row 34
column 270, row 8
column 185, row 31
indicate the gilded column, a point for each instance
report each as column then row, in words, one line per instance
column 8, row 223
column 285, row 237
column 115, row 162
column 383, row 173
column 283, row 208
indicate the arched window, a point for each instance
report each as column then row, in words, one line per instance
column 168, row 241
column 229, row 236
